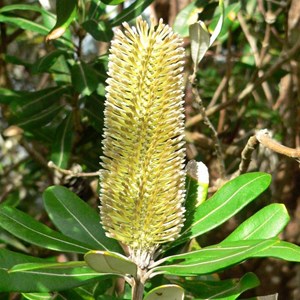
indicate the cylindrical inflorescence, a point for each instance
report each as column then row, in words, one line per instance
column 142, row 180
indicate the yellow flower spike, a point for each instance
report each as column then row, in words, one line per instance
column 143, row 178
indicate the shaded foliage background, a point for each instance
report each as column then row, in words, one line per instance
column 52, row 100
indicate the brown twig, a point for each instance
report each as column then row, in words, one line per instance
column 264, row 137
column 52, row 165
column 249, row 87
column 206, row 120
column 246, row 155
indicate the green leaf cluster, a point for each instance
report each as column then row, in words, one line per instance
column 104, row 259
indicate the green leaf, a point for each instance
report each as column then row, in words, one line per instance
column 60, row 71
column 100, row 30
column 228, row 289
column 188, row 16
column 29, row 7
column 31, row 110
column 200, row 42
column 38, row 296
column 8, row 239
column 9, row 258
column 219, row 25
column 266, row 223
column 131, row 12
column 62, row 144
column 38, row 119
column 24, row 24
column 213, row 258
column 65, row 12
column 46, row 62
column 224, row 20
column 31, row 103
column 76, row 218
column 110, row 262
column 94, row 107
column 84, row 78
column 7, row 95
column 28, row 229
column 225, row 203
column 282, row 250
column 113, row 2
column 47, row 277
column 166, row 292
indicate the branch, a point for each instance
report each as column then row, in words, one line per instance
column 217, row 143
column 264, row 138
column 52, row 165
column 249, row 87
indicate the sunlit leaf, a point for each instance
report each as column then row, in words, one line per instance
column 166, row 292
column 213, row 258
column 225, row 203
column 132, row 11
column 266, row 223
column 65, row 12
column 110, row 262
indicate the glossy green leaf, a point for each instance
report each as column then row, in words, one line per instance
column 225, row 203
column 93, row 109
column 110, row 262
column 228, row 18
column 38, row 296
column 24, row 24
column 266, row 223
column 62, row 144
column 60, row 71
column 31, row 103
column 46, row 278
column 28, row 7
column 131, row 12
column 7, row 96
column 214, row 258
column 282, row 250
column 219, row 25
column 8, row 259
column 65, row 13
column 96, row 10
column 76, row 219
column 49, row 265
column 84, row 78
column 187, row 16
column 166, row 292
column 229, row 289
column 46, row 62
column 38, row 119
column 28, row 229
column 8, row 239
column 113, row 2
column 100, row 30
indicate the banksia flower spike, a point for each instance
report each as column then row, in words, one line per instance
column 142, row 180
